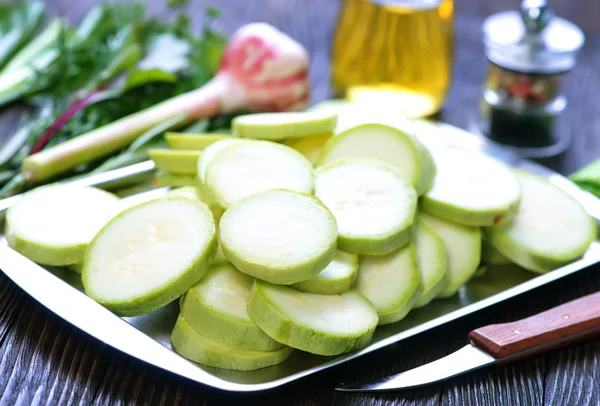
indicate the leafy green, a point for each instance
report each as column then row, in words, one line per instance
column 114, row 63
column 18, row 22
column 34, row 67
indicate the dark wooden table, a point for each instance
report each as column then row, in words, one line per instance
column 44, row 360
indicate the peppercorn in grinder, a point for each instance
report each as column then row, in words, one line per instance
column 529, row 52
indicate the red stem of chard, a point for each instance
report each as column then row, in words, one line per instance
column 62, row 120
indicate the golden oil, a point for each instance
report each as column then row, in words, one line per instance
column 396, row 53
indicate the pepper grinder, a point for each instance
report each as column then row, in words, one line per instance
column 529, row 53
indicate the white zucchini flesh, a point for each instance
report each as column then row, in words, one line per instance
column 216, row 308
column 336, row 278
column 549, row 230
column 209, row 153
column 53, row 224
column 149, row 255
column 431, row 256
column 279, row 235
column 193, row 346
column 387, row 144
column 463, row 249
column 373, row 205
column 391, row 282
column 471, row 188
column 279, row 126
column 319, row 324
column 192, row 192
column 244, row 169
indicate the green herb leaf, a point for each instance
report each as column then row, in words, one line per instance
column 18, row 22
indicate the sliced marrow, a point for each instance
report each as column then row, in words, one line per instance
column 195, row 142
column 285, row 125
column 336, row 278
column 175, row 161
column 391, row 282
column 53, row 224
column 472, row 189
column 192, row 345
column 319, row 324
column 247, row 168
column 279, row 235
column 149, row 255
column 387, row 144
column 463, row 249
column 549, row 230
column 216, row 308
column 431, row 255
column 374, row 206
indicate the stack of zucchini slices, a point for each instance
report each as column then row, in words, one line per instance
column 291, row 234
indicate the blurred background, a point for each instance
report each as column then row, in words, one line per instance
column 315, row 23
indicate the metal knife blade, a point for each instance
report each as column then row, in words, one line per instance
column 562, row 325
column 459, row 362
column 116, row 177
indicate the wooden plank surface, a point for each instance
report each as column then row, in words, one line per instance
column 44, row 360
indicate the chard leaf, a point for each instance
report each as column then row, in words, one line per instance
column 48, row 39
column 18, row 22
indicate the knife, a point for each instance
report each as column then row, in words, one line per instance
column 499, row 344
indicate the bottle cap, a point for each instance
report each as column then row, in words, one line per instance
column 532, row 40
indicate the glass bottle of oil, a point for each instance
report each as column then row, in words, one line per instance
column 396, row 53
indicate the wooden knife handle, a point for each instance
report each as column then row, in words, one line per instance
column 562, row 325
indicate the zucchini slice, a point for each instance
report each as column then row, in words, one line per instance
column 431, row 255
column 471, row 188
column 384, row 143
column 197, row 142
column 319, row 324
column 463, row 249
column 391, row 282
column 285, row 125
column 246, row 168
column 149, row 255
column 310, row 147
column 336, row 278
column 549, row 230
column 175, row 161
column 374, row 206
column 53, row 224
column 216, row 308
column 192, row 345
column 279, row 235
